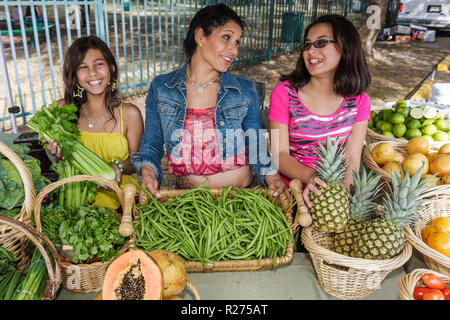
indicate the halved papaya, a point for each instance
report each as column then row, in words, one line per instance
column 133, row 276
column 174, row 271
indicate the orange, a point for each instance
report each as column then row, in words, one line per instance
column 431, row 155
column 442, row 222
column 418, row 145
column 439, row 241
column 445, row 148
column 392, row 165
column 413, row 162
column 382, row 153
column 429, row 229
column 398, row 157
column 440, row 165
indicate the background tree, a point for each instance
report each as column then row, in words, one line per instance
column 368, row 32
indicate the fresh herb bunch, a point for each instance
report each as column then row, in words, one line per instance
column 91, row 231
column 59, row 124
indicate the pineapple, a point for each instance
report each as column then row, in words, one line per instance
column 383, row 237
column 329, row 211
column 363, row 194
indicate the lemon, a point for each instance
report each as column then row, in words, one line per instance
column 416, row 113
column 443, row 124
column 397, row 118
column 429, row 130
column 413, row 124
column 440, row 136
column 399, row 130
column 429, row 113
column 411, row 133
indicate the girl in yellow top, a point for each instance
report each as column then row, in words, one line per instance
column 108, row 127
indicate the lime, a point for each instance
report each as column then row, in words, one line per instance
column 411, row 133
column 399, row 130
column 379, row 124
column 400, row 104
column 404, row 111
column 386, row 114
column 440, row 136
column 370, row 123
column 443, row 124
column 397, row 118
column 386, row 126
column 429, row 138
column 438, row 115
column 416, row 113
column 376, row 119
column 388, row 134
column 429, row 130
column 403, row 138
column 373, row 114
column 413, row 124
column 426, row 122
column 429, row 113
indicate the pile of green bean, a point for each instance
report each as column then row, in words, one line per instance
column 238, row 225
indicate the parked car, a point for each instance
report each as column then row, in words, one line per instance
column 428, row 13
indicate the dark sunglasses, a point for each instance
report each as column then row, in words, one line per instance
column 317, row 44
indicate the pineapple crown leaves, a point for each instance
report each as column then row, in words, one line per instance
column 332, row 162
column 363, row 193
column 403, row 201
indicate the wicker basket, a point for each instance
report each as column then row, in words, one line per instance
column 54, row 273
column 372, row 137
column 411, row 280
column 81, row 278
column 436, row 205
column 346, row 277
column 236, row 265
column 10, row 238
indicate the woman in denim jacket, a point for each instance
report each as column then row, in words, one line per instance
column 206, row 118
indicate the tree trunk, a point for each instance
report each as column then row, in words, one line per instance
column 370, row 29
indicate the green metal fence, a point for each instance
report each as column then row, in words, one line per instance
column 145, row 36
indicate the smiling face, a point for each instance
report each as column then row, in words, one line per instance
column 93, row 73
column 221, row 47
column 321, row 61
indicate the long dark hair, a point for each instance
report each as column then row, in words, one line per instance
column 74, row 58
column 352, row 75
column 209, row 18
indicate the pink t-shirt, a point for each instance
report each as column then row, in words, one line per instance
column 306, row 127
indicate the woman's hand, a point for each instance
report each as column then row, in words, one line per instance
column 311, row 186
column 276, row 184
column 55, row 150
column 117, row 171
column 149, row 181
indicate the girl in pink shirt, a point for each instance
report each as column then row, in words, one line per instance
column 323, row 96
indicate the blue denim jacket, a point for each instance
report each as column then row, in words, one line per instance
column 237, row 111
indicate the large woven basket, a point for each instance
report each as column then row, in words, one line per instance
column 54, row 272
column 237, row 265
column 437, row 204
column 411, row 280
column 88, row 277
column 346, row 277
column 10, row 238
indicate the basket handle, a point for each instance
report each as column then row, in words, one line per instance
column 78, row 178
column 193, row 289
column 126, row 223
column 54, row 275
column 302, row 218
column 25, row 175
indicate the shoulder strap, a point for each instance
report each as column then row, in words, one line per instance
column 121, row 118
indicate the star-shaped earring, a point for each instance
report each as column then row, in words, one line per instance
column 78, row 92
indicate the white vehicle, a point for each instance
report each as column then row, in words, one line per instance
column 428, row 13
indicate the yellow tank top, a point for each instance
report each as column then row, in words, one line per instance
column 108, row 146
